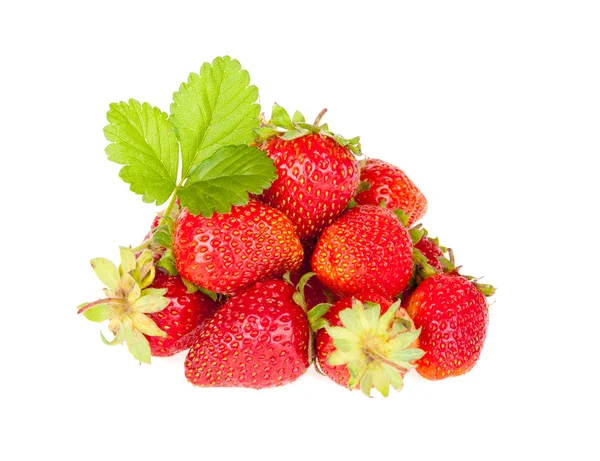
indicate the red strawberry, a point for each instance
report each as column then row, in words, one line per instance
column 453, row 314
column 366, row 248
column 316, row 177
column 258, row 339
column 390, row 184
column 183, row 317
column 375, row 346
column 150, row 311
column 229, row 252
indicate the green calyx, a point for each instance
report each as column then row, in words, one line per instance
column 400, row 214
column 162, row 235
column 288, row 128
column 422, row 267
column 128, row 300
column 362, row 187
column 486, row 289
column 316, row 313
column 375, row 347
column 417, row 233
column 313, row 315
column 160, row 241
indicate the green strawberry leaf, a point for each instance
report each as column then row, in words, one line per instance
column 303, row 281
column 321, row 323
column 144, row 140
column 363, row 186
column 298, row 117
column 128, row 261
column 366, row 383
column 130, row 288
column 211, row 294
column 118, row 339
column 408, row 355
column 99, row 313
column 299, row 299
column 400, row 214
column 416, row 234
column 281, row 118
column 265, row 132
column 146, row 325
column 316, row 313
column 191, row 288
column 154, row 292
column 163, row 239
column 226, row 179
column 394, row 378
column 381, row 383
column 337, row 358
column 150, row 303
column 167, row 262
column 402, row 341
column 107, row 272
column 214, row 109
column 292, row 134
column 136, row 343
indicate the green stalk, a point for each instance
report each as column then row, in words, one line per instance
column 170, row 205
column 142, row 246
column 116, row 301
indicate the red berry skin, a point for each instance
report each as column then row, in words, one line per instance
column 453, row 315
column 431, row 251
column 183, row 317
column 391, row 184
column 316, row 178
column 325, row 347
column 258, row 339
column 229, row 252
column 366, row 248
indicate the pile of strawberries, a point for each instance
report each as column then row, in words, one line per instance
column 327, row 267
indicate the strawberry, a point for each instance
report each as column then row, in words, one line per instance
column 258, row 339
column 182, row 318
column 229, row 252
column 368, row 341
column 453, row 314
column 391, row 185
column 131, row 299
column 366, row 248
column 317, row 174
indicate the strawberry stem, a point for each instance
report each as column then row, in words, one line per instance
column 118, row 301
column 451, row 254
column 142, row 246
column 170, row 205
column 319, row 117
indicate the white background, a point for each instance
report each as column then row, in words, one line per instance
column 493, row 109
